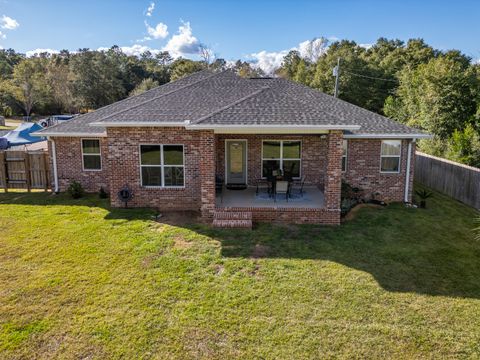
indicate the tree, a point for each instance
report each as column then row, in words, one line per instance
column 359, row 81
column 246, row 70
column 145, row 85
column 439, row 96
column 60, row 81
column 302, row 74
column 464, row 146
column 183, row 67
column 27, row 85
column 97, row 78
column 289, row 65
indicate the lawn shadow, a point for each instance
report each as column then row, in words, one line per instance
column 405, row 250
column 431, row 252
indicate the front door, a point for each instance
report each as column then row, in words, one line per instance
column 236, row 166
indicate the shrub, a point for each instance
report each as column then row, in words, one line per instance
column 102, row 194
column 423, row 195
column 76, row 190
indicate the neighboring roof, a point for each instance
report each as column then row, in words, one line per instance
column 38, row 146
column 23, row 134
column 224, row 100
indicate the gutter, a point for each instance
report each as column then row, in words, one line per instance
column 68, row 134
column 55, row 171
column 407, row 176
column 387, row 136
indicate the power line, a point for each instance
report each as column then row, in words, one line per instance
column 369, row 77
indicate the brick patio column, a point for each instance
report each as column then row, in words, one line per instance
column 207, row 173
column 333, row 181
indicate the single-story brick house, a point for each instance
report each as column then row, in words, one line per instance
column 170, row 144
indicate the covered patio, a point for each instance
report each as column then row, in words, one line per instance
column 312, row 198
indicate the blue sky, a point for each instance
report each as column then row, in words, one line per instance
column 248, row 29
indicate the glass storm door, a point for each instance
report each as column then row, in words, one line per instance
column 236, row 162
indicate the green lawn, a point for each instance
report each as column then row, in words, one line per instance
column 79, row 280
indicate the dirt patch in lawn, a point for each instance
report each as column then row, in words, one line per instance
column 353, row 213
column 179, row 218
column 181, row 243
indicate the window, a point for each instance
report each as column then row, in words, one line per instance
column 344, row 155
column 281, row 155
column 162, row 165
column 390, row 156
column 91, row 156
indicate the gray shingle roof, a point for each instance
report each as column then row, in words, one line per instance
column 224, row 99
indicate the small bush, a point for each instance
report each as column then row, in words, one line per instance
column 76, row 190
column 102, row 194
column 423, row 195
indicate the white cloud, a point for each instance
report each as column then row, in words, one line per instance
column 8, row 23
column 365, row 46
column 31, row 53
column 309, row 49
column 2, row 35
column 150, row 9
column 160, row 31
column 268, row 61
column 135, row 50
column 183, row 42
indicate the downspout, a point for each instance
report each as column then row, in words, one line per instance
column 407, row 177
column 55, row 172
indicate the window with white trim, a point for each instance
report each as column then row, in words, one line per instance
column 91, row 154
column 281, row 155
column 390, row 156
column 344, row 155
column 162, row 165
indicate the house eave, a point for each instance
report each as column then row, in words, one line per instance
column 271, row 129
column 139, row 124
column 387, row 136
column 70, row 134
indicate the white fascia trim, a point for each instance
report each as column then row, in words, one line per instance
column 387, row 136
column 70, row 134
column 138, row 124
column 272, row 127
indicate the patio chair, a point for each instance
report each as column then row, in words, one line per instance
column 263, row 184
column 281, row 187
column 298, row 187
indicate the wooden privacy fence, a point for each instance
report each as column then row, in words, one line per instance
column 24, row 170
column 459, row 181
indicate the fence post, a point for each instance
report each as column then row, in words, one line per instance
column 3, row 170
column 27, row 170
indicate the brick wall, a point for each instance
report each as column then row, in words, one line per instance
column 333, row 179
column 124, row 158
column 363, row 170
column 205, row 156
column 69, row 165
column 314, row 155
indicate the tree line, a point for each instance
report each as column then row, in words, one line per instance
column 411, row 82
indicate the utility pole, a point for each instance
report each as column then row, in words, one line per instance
column 336, row 73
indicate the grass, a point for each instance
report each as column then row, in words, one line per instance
column 81, row 280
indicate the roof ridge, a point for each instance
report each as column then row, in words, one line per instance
column 161, row 95
column 236, row 102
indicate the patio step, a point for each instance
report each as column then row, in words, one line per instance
column 232, row 219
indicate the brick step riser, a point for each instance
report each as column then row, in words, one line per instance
column 243, row 224
column 224, row 215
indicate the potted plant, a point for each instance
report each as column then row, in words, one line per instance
column 423, row 195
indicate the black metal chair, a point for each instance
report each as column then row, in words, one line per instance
column 298, row 187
